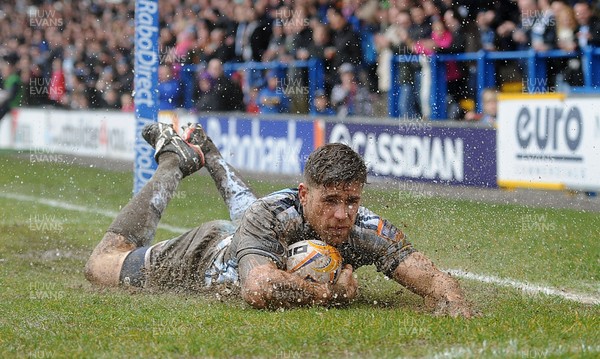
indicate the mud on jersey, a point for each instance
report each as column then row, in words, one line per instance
column 274, row 222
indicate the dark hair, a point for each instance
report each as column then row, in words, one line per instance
column 334, row 164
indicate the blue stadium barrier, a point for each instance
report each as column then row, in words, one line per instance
column 536, row 74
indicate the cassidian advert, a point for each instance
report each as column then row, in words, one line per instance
column 422, row 151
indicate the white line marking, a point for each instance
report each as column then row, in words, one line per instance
column 513, row 348
column 77, row 208
column 525, row 287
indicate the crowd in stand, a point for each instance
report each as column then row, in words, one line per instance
column 79, row 54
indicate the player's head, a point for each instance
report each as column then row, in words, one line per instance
column 333, row 164
column 334, row 176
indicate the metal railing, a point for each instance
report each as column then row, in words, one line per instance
column 535, row 74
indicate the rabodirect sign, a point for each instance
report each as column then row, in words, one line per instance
column 145, row 86
column 549, row 141
column 420, row 151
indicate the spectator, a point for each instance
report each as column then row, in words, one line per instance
column 348, row 97
column 111, row 100
column 259, row 39
column 217, row 92
column 566, row 26
column 369, row 26
column 78, row 101
column 396, row 40
column 487, row 35
column 12, row 91
column 218, row 48
column 127, row 104
column 95, row 42
column 536, row 29
column 169, row 90
column 252, row 103
column 420, row 34
column 35, row 92
column 433, row 12
column 321, row 10
column 301, row 35
column 543, row 31
column 57, row 90
column 297, row 77
column 322, row 106
column 207, row 101
column 570, row 73
column 321, row 49
column 588, row 31
column 123, row 78
column 490, row 107
column 246, row 24
column 383, row 43
column 253, row 32
column 421, row 25
column 276, row 50
column 505, row 22
column 457, row 80
column 346, row 45
column 272, row 99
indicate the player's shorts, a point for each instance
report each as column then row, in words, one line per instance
column 180, row 263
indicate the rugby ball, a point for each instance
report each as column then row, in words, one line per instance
column 314, row 260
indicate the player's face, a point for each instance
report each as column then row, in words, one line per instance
column 331, row 211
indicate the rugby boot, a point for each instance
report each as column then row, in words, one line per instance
column 194, row 134
column 163, row 138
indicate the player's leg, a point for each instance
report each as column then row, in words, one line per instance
column 135, row 226
column 236, row 194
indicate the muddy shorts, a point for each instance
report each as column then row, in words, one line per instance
column 180, row 263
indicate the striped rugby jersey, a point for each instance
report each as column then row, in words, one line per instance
column 275, row 221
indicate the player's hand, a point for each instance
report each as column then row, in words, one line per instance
column 346, row 287
column 455, row 308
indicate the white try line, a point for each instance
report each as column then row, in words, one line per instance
column 503, row 282
column 78, row 208
column 513, row 348
column 526, row 287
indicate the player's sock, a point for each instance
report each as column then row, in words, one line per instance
column 138, row 220
column 236, row 194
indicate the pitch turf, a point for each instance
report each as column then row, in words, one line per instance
column 49, row 310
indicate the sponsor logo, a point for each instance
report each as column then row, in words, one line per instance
column 549, row 133
column 255, row 151
column 145, row 93
column 405, row 156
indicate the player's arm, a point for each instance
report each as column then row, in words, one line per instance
column 440, row 291
column 264, row 285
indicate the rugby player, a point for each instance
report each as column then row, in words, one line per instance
column 248, row 252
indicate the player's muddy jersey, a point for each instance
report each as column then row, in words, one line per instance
column 274, row 222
